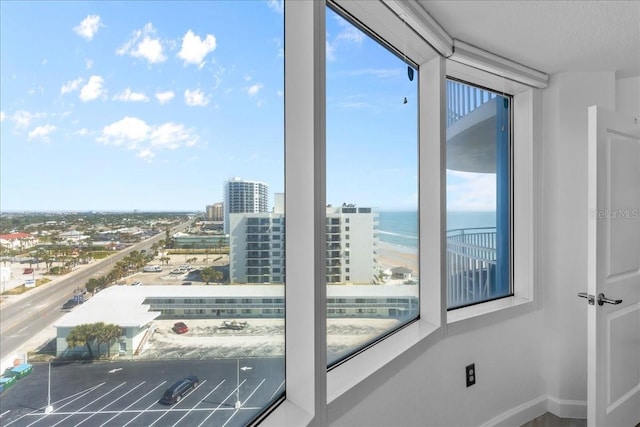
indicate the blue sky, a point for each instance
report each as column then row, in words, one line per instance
column 153, row 105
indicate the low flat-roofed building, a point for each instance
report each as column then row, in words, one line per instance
column 133, row 308
column 110, row 306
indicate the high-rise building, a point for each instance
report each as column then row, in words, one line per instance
column 242, row 196
column 215, row 212
column 257, row 246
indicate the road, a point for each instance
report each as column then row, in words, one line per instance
column 28, row 316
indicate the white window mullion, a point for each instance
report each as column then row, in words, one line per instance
column 432, row 190
column 306, row 359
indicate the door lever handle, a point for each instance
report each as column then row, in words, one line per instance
column 602, row 299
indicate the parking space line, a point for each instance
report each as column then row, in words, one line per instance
column 276, row 391
column 109, row 404
column 201, row 400
column 139, row 399
column 40, row 414
column 170, row 409
column 143, row 411
column 248, row 397
column 220, row 404
column 93, row 401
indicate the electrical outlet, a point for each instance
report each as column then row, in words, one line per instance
column 471, row 374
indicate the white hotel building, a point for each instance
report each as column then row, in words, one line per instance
column 257, row 252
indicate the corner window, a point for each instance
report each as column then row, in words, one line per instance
column 478, row 195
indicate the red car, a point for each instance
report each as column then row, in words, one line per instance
column 180, row 328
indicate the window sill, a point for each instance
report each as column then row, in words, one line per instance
column 346, row 376
column 481, row 315
column 287, row 414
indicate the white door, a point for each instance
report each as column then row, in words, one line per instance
column 613, row 269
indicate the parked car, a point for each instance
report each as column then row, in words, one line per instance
column 70, row 304
column 181, row 387
column 180, row 328
column 136, row 284
column 235, row 325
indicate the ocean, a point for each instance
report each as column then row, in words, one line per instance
column 399, row 229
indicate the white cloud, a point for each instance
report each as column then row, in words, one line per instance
column 93, row 89
column 350, row 33
column 88, row 27
column 22, row 119
column 82, row 132
column 129, row 130
column 164, row 97
column 468, row 191
column 42, row 132
column 146, row 154
column 129, row 96
column 171, row 135
column 195, row 98
column 330, row 51
column 2, row 116
column 276, row 5
column 135, row 134
column 88, row 63
column 254, row 89
column 194, row 49
column 145, row 45
column 71, row 85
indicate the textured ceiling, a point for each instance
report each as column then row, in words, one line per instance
column 550, row 36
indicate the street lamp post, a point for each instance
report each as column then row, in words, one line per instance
column 244, row 368
column 49, row 408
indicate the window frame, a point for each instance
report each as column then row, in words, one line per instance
column 509, row 189
column 312, row 393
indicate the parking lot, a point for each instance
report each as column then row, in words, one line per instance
column 230, row 393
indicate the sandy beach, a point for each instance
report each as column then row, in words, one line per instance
column 390, row 257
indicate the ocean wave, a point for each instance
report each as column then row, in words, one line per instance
column 404, row 236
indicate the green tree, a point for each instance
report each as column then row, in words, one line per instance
column 210, row 274
column 92, row 284
column 107, row 333
column 94, row 334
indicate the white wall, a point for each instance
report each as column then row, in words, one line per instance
column 628, row 96
column 563, row 228
column 427, row 387
column 528, row 358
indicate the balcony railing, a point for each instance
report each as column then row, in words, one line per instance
column 464, row 99
column 471, row 265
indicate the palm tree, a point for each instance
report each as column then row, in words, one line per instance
column 82, row 335
column 106, row 334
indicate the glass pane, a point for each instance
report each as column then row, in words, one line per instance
column 372, row 186
column 478, row 195
column 125, row 126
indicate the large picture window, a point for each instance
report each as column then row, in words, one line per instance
column 142, row 169
column 372, row 186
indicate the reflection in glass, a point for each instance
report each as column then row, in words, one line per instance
column 478, row 195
